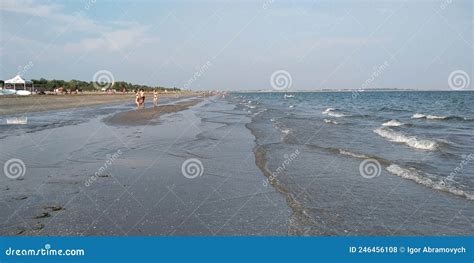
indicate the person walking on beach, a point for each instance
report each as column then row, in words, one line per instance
column 137, row 99
column 155, row 98
column 142, row 98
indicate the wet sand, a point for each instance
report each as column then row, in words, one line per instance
column 91, row 178
column 144, row 116
column 38, row 103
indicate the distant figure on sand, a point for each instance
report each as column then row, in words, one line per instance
column 142, row 98
column 155, row 98
column 137, row 99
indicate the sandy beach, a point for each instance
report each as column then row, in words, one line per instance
column 36, row 103
column 114, row 170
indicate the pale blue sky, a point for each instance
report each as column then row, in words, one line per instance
column 322, row 44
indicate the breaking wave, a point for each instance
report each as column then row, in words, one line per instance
column 333, row 113
column 392, row 123
column 440, row 117
column 411, row 141
column 414, row 175
column 330, row 121
column 429, row 117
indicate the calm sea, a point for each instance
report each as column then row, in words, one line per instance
column 369, row 162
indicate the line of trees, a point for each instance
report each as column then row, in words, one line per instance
column 50, row 85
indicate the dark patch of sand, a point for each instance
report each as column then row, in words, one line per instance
column 144, row 116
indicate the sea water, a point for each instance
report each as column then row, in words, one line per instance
column 369, row 162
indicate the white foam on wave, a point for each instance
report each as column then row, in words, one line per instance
column 356, row 155
column 330, row 121
column 414, row 175
column 429, row 117
column 411, row 141
column 332, row 112
column 392, row 123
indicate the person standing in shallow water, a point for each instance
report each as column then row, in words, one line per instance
column 155, row 98
column 142, row 98
column 137, row 99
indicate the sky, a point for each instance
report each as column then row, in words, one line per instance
column 241, row 45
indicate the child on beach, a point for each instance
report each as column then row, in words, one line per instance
column 155, row 98
column 137, row 99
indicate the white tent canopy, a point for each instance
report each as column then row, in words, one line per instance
column 17, row 81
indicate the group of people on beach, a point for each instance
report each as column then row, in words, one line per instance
column 140, row 98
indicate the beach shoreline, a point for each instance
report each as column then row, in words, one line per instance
column 261, row 167
column 39, row 103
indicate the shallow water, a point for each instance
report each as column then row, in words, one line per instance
column 420, row 145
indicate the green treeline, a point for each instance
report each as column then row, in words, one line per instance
column 50, row 85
